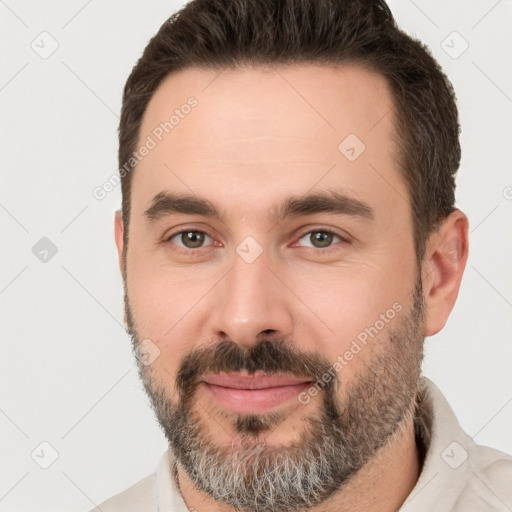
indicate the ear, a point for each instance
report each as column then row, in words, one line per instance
column 119, row 238
column 442, row 268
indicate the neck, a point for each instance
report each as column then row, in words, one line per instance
column 382, row 485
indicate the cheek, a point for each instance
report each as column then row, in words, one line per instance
column 163, row 312
column 153, row 306
column 348, row 311
column 159, row 295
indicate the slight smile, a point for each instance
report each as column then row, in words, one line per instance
column 252, row 394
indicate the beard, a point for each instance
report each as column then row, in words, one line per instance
column 352, row 422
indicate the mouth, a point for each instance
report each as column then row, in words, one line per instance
column 252, row 394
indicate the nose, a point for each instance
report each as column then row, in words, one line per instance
column 251, row 305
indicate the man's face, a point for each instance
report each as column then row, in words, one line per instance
column 308, row 268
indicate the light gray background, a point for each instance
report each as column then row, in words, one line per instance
column 67, row 373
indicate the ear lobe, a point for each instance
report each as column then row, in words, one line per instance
column 119, row 239
column 443, row 267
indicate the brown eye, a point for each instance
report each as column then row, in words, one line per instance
column 319, row 239
column 190, row 239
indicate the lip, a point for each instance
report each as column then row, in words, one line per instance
column 251, row 394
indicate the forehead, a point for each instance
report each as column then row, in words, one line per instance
column 261, row 131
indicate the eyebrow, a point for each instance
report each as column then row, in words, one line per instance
column 166, row 203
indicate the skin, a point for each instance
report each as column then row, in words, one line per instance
column 257, row 137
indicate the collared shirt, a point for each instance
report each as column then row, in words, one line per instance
column 457, row 475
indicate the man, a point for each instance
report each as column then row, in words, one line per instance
column 288, row 237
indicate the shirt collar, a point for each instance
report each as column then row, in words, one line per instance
column 445, row 471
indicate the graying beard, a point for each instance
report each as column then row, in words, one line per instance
column 281, row 479
column 330, row 450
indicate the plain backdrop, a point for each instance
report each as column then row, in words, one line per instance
column 68, row 379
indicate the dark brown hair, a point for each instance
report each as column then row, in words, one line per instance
column 216, row 34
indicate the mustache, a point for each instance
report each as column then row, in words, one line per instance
column 270, row 357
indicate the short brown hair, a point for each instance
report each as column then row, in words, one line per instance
column 215, row 34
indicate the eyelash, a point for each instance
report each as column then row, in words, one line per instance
column 325, row 231
column 188, row 252
column 192, row 252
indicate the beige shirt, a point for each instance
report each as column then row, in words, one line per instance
column 457, row 476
